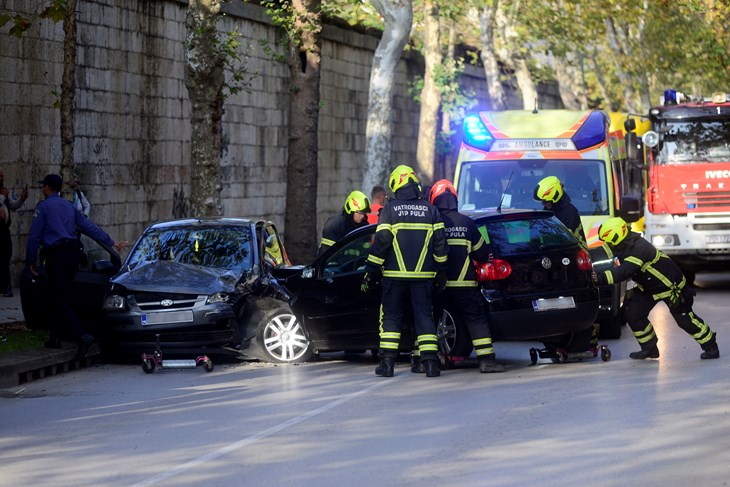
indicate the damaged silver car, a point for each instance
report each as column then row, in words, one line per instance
column 204, row 284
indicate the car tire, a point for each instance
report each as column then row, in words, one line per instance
column 453, row 337
column 281, row 338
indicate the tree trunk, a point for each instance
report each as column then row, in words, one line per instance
column 507, row 17
column 68, row 88
column 570, row 83
column 446, row 162
column 524, row 82
column 488, row 56
column 204, row 79
column 398, row 17
column 430, row 95
column 301, row 191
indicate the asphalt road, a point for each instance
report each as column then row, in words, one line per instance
column 662, row 422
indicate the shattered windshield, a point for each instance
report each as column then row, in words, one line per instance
column 484, row 184
column 218, row 247
column 694, row 142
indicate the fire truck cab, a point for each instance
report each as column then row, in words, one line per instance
column 687, row 214
column 505, row 154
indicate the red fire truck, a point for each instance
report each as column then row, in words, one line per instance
column 687, row 214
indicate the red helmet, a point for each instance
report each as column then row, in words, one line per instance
column 441, row 187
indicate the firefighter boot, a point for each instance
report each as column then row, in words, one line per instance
column 642, row 354
column 711, row 351
column 386, row 367
column 417, row 366
column 488, row 364
column 432, row 368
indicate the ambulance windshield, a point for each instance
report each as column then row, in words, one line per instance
column 483, row 184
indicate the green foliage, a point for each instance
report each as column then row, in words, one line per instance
column 455, row 99
column 56, row 11
column 228, row 49
column 20, row 24
column 16, row 338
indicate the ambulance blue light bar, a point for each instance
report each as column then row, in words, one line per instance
column 476, row 133
column 592, row 132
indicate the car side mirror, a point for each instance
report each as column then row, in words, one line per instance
column 634, row 149
column 104, row 267
column 308, row 272
column 630, row 209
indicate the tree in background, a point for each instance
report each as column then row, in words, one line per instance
column 398, row 17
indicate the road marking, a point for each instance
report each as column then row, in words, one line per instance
column 251, row 439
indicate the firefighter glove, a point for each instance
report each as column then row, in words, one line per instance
column 440, row 283
column 365, row 286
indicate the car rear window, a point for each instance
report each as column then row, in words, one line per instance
column 525, row 235
column 219, row 247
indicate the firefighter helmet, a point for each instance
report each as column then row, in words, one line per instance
column 439, row 188
column 549, row 190
column 401, row 176
column 613, row 231
column 357, row 202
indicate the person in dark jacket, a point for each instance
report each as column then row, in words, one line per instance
column 466, row 245
column 550, row 192
column 354, row 215
column 410, row 250
column 657, row 278
column 54, row 225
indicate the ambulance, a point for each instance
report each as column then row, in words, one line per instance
column 505, row 154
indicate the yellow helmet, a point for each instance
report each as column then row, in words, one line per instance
column 357, row 202
column 401, row 176
column 548, row 189
column 613, row 231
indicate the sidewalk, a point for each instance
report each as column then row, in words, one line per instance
column 17, row 368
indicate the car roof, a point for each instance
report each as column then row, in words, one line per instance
column 207, row 221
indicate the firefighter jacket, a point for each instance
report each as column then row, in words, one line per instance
column 465, row 243
column 652, row 270
column 409, row 241
column 335, row 228
column 567, row 213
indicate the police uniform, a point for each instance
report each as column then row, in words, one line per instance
column 410, row 247
column 465, row 245
column 657, row 278
column 54, row 228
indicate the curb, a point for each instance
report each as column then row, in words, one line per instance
column 17, row 368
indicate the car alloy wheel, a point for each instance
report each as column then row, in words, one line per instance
column 284, row 338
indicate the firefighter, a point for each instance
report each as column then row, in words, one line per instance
column 377, row 197
column 657, row 278
column 410, row 249
column 354, row 215
column 465, row 245
column 550, row 192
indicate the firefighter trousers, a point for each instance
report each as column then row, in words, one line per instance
column 640, row 303
column 468, row 305
column 396, row 293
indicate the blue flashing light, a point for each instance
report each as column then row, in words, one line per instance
column 670, row 97
column 592, row 132
column 476, row 133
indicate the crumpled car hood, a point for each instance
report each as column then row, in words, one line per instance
column 167, row 276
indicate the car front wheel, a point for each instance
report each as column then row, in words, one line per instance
column 453, row 338
column 282, row 338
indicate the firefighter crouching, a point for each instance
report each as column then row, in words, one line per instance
column 465, row 245
column 354, row 215
column 657, row 278
column 410, row 248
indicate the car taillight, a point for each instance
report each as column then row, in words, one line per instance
column 583, row 260
column 494, row 270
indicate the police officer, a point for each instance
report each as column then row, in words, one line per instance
column 354, row 215
column 465, row 245
column 410, row 248
column 54, row 227
column 657, row 278
column 550, row 192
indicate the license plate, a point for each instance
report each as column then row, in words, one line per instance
column 169, row 317
column 713, row 239
column 553, row 303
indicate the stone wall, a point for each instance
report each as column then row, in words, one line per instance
column 132, row 148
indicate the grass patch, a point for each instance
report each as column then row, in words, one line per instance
column 14, row 338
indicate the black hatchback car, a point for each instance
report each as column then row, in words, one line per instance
column 537, row 287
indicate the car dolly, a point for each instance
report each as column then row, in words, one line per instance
column 151, row 361
column 561, row 356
